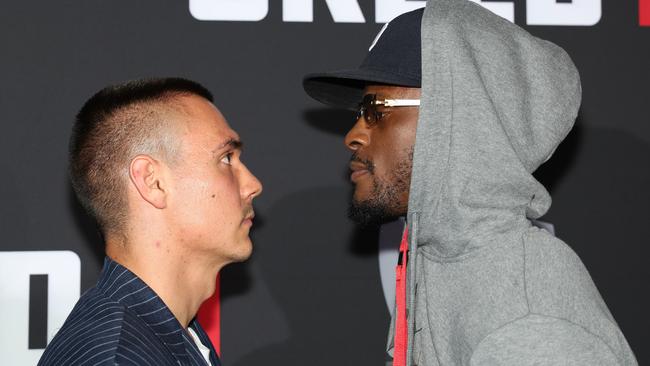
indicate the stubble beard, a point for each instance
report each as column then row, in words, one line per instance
column 383, row 204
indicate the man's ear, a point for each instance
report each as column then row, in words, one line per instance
column 147, row 177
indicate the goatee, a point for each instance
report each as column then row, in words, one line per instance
column 383, row 204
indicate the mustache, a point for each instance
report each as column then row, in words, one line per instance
column 248, row 212
column 370, row 166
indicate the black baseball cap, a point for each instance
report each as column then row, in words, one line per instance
column 394, row 58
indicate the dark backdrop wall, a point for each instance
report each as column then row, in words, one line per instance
column 312, row 292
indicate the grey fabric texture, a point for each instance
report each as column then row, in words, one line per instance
column 485, row 287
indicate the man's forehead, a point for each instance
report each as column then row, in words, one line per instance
column 205, row 126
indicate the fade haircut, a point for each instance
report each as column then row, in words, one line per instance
column 115, row 125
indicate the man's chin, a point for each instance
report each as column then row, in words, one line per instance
column 243, row 253
column 247, row 250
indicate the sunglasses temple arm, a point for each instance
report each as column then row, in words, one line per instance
column 400, row 102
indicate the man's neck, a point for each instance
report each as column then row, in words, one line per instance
column 181, row 280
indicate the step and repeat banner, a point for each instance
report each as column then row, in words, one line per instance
column 317, row 289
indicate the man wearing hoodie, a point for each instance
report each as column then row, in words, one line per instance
column 457, row 108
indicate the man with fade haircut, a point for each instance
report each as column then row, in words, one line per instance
column 158, row 166
column 457, row 108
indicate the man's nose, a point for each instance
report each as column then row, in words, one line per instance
column 251, row 186
column 358, row 136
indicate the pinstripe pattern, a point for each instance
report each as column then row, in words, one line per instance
column 121, row 321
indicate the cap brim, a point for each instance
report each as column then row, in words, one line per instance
column 344, row 88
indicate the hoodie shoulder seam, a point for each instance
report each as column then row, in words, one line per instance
column 581, row 327
column 496, row 330
column 609, row 348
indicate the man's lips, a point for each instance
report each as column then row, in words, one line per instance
column 358, row 170
column 248, row 219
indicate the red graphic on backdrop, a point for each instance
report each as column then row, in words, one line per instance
column 644, row 13
column 210, row 318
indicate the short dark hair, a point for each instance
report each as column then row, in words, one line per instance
column 114, row 125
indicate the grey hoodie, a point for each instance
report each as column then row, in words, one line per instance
column 485, row 286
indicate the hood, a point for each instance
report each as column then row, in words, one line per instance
column 496, row 102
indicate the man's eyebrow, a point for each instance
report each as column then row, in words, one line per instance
column 231, row 143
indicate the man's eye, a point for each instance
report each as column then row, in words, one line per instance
column 227, row 159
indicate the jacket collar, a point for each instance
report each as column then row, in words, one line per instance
column 124, row 287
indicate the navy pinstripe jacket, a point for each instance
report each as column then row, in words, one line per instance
column 121, row 321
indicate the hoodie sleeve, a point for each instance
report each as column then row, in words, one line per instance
column 542, row 340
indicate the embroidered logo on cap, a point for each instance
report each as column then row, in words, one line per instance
column 378, row 36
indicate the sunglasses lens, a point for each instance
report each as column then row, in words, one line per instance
column 367, row 108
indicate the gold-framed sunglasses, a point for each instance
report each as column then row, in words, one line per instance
column 368, row 106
